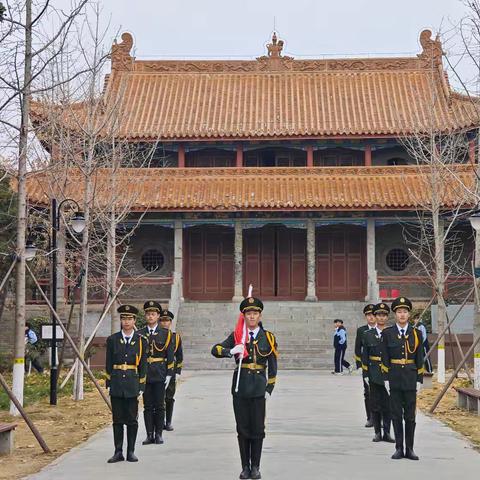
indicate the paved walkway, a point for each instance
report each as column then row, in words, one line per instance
column 314, row 431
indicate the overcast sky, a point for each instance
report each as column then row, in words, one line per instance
column 226, row 28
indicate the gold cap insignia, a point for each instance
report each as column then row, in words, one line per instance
column 150, row 303
column 382, row 306
column 127, row 308
column 251, row 300
column 402, row 300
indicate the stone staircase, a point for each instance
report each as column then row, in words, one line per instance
column 303, row 330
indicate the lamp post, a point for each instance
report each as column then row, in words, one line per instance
column 475, row 222
column 77, row 223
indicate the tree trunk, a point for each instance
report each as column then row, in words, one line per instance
column 19, row 342
column 112, row 271
column 85, row 256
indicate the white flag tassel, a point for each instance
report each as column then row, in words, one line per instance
column 244, row 335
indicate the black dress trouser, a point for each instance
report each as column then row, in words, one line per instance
column 403, row 404
column 380, row 405
column 154, row 407
column 124, row 412
column 170, row 400
column 250, row 419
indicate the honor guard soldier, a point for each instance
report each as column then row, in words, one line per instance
column 159, row 372
column 166, row 319
column 371, row 321
column 402, row 362
column 126, row 367
column 256, row 383
column 373, row 374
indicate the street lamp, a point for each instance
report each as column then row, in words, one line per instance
column 78, row 224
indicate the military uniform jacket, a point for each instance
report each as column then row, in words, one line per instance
column 160, row 349
column 259, row 370
column 126, row 365
column 358, row 344
column 372, row 356
column 402, row 359
column 177, row 353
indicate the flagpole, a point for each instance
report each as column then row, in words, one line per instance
column 250, row 290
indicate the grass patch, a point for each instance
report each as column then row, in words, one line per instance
column 37, row 387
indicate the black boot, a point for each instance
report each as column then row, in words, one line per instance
column 386, row 432
column 169, row 414
column 398, row 429
column 158, row 417
column 118, row 442
column 148, row 418
column 368, row 410
column 244, row 447
column 409, row 438
column 256, row 454
column 376, row 418
column 131, row 439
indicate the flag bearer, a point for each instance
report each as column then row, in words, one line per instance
column 256, row 350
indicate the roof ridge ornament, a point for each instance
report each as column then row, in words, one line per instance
column 432, row 49
column 120, row 55
column 275, row 48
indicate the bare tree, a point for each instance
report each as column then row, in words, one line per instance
column 90, row 160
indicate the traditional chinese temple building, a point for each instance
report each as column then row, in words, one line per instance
column 287, row 174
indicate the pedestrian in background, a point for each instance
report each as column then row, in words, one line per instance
column 340, row 346
column 31, row 353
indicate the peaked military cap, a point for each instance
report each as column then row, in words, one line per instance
column 251, row 303
column 127, row 311
column 152, row 306
column 402, row 302
column 368, row 308
column 381, row 308
column 167, row 313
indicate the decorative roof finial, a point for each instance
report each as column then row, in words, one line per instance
column 121, row 58
column 275, row 48
column 432, row 49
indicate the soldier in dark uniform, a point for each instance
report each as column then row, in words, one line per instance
column 371, row 321
column 166, row 322
column 255, row 384
column 126, row 367
column 402, row 362
column 159, row 372
column 373, row 375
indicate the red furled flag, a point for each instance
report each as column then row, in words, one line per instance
column 240, row 334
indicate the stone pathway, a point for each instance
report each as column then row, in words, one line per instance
column 314, row 431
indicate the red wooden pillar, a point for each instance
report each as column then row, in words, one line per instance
column 239, row 162
column 181, row 156
column 309, row 156
column 471, row 151
column 368, row 156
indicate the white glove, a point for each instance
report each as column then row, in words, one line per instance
column 366, row 380
column 387, row 386
column 140, row 393
column 267, row 395
column 419, row 386
column 167, row 380
column 237, row 349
